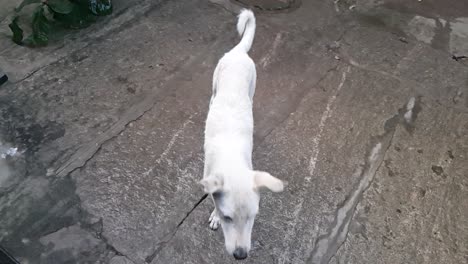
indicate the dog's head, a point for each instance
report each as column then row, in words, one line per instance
column 237, row 204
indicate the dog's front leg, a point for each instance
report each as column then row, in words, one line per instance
column 214, row 220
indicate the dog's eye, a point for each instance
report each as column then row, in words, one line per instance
column 227, row 219
column 217, row 195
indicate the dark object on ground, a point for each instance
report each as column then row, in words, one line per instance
column 66, row 13
column 3, row 79
column 270, row 5
column 459, row 58
column 6, row 258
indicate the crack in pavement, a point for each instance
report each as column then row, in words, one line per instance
column 81, row 157
column 97, row 230
column 110, row 247
column 168, row 237
column 327, row 245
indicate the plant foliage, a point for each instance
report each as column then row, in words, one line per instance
column 67, row 13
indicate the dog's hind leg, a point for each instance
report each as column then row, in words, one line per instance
column 215, row 83
column 253, row 84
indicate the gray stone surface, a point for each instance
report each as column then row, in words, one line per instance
column 70, row 244
column 367, row 122
column 120, row 260
column 441, row 24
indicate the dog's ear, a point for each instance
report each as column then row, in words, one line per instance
column 264, row 179
column 212, row 184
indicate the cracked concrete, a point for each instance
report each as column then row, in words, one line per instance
column 327, row 245
column 365, row 120
column 160, row 245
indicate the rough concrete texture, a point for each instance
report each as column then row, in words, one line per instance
column 365, row 119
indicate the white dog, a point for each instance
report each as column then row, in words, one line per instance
column 228, row 174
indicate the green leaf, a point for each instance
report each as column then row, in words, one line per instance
column 60, row 6
column 30, row 41
column 40, row 29
column 79, row 17
column 25, row 3
column 100, row 7
column 17, row 31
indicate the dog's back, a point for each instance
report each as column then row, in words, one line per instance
column 230, row 117
column 235, row 71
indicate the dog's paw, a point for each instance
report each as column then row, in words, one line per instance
column 214, row 220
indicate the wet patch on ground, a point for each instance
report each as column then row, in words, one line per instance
column 20, row 128
column 441, row 24
column 34, row 205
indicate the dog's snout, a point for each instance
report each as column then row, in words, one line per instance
column 240, row 253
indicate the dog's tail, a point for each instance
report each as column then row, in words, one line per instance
column 246, row 29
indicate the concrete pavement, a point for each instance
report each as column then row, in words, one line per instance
column 365, row 119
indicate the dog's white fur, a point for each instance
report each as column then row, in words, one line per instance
column 228, row 173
